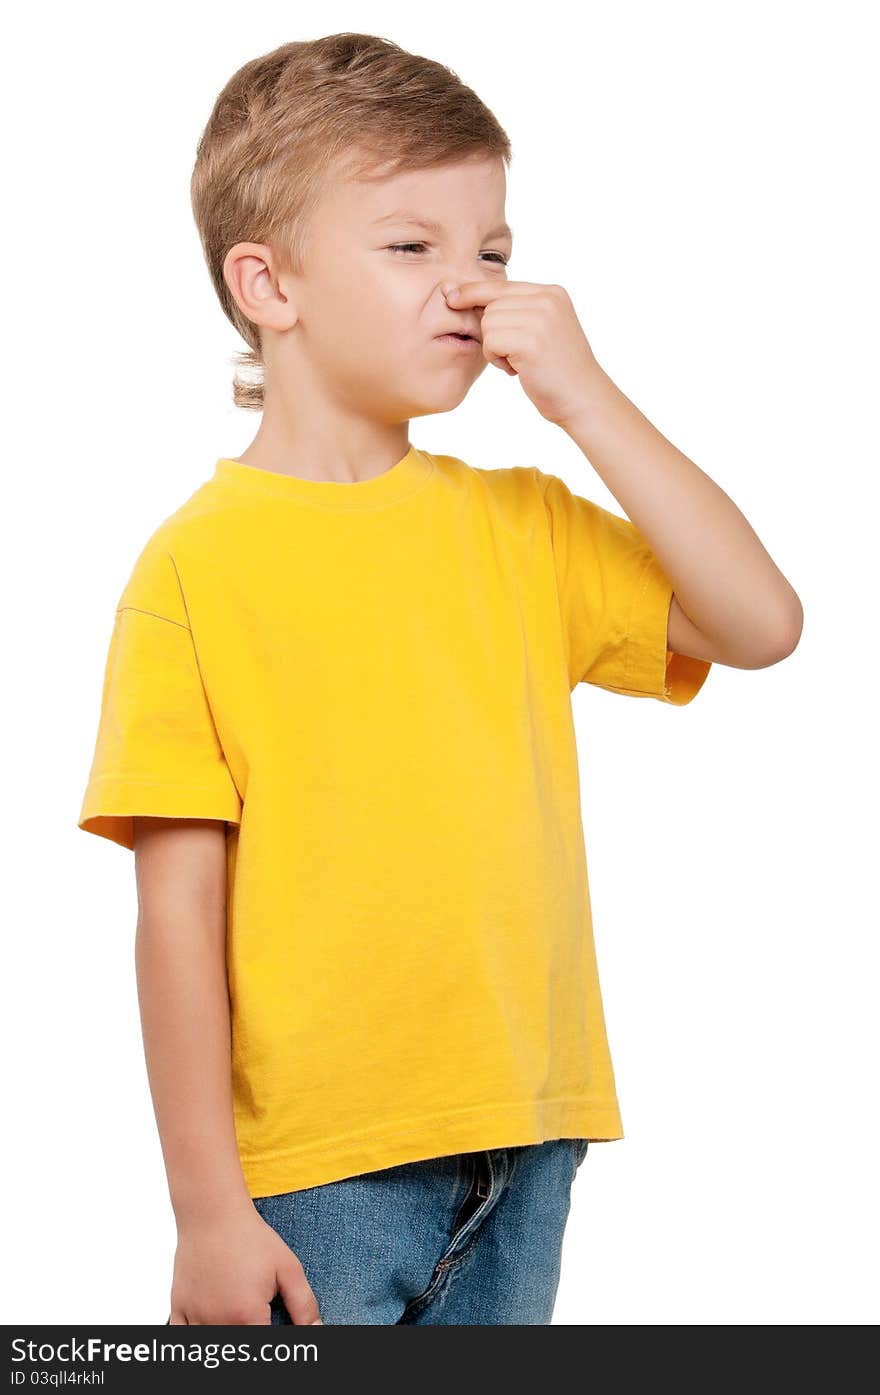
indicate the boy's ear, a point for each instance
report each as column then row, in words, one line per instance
column 253, row 284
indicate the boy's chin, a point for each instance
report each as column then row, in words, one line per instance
column 440, row 402
column 433, row 411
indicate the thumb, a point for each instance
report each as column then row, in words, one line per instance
column 299, row 1299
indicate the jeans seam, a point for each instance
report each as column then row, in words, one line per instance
column 439, row 1273
column 461, row 1206
column 446, row 1264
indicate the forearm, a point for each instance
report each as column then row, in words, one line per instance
column 184, row 1005
column 723, row 577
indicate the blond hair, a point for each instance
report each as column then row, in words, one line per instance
column 285, row 121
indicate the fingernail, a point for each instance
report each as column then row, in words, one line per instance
column 319, row 1322
column 452, row 293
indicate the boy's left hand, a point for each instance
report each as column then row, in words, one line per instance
column 533, row 331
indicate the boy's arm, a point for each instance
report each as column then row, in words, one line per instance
column 229, row 1262
column 731, row 604
column 180, row 866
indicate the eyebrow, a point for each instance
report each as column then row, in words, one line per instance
column 404, row 215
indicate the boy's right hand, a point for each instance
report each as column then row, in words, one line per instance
column 228, row 1270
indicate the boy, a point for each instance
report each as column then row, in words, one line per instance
column 336, row 723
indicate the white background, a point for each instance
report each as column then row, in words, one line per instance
column 702, row 180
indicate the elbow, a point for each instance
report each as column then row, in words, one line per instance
column 791, row 631
column 785, row 637
column 771, row 642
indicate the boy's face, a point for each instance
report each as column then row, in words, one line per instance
column 368, row 318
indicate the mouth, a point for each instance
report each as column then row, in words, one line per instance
column 461, row 340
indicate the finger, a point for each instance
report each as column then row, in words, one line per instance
column 483, row 292
column 299, row 1299
column 526, row 305
column 502, row 340
column 260, row 1317
column 498, row 362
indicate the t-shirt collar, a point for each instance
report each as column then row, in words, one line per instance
column 405, row 476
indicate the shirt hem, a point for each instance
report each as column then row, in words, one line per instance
column 413, row 1141
column 651, row 669
column 111, row 803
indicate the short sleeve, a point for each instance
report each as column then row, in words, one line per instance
column 614, row 600
column 157, row 752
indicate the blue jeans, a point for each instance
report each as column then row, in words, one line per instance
column 469, row 1238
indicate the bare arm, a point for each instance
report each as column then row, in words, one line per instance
column 229, row 1263
column 738, row 607
column 184, row 1003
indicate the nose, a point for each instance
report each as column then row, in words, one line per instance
column 456, row 275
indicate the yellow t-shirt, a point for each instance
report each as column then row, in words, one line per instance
column 371, row 684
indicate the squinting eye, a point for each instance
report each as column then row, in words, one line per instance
column 405, row 247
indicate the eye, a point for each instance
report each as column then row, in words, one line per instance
column 406, row 246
